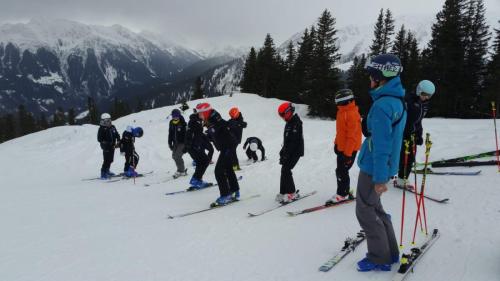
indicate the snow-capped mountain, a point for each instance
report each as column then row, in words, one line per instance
column 45, row 63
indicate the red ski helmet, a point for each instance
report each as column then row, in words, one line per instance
column 286, row 110
column 204, row 110
column 234, row 113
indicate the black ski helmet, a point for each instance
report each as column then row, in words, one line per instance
column 343, row 96
column 384, row 67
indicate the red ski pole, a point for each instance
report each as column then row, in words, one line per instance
column 415, row 174
column 428, row 145
column 493, row 108
column 407, row 151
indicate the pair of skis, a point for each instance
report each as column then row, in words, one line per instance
column 463, row 160
column 211, row 208
column 191, row 189
column 462, row 173
column 123, row 177
column 408, row 261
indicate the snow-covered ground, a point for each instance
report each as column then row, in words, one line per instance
column 54, row 226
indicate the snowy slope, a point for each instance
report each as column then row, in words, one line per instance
column 57, row 227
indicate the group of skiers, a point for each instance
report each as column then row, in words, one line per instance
column 393, row 117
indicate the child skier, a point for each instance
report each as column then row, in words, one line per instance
column 237, row 125
column 292, row 150
column 253, row 144
column 196, row 145
column 127, row 149
column 176, row 136
column 347, row 141
column 224, row 141
column 418, row 104
column 109, row 139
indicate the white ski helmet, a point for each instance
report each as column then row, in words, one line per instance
column 253, row 146
column 426, row 87
column 105, row 116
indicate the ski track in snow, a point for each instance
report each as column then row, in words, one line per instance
column 57, row 227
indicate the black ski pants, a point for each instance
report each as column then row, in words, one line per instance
column 108, row 157
column 344, row 164
column 202, row 161
column 131, row 159
column 287, row 185
column 252, row 155
column 411, row 160
column 224, row 173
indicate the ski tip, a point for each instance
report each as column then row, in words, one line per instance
column 251, row 215
column 291, row 214
column 170, row 217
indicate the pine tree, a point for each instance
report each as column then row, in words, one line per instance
column 326, row 79
column 412, row 66
column 290, row 56
column 7, row 129
column 93, row 115
column 139, row 105
column 198, row 89
column 267, row 69
column 388, row 32
column 303, row 68
column 42, row 122
column 378, row 34
column 477, row 38
column 59, row 118
column 71, row 117
column 26, row 121
column 248, row 82
column 359, row 82
column 492, row 82
column 444, row 60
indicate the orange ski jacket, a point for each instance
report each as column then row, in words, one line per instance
column 348, row 138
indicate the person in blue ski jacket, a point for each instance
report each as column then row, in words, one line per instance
column 379, row 160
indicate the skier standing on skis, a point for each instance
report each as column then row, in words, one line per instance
column 176, row 136
column 109, row 139
column 220, row 133
column 253, row 144
column 347, row 141
column 196, row 145
column 127, row 148
column 292, row 150
column 418, row 104
column 237, row 125
column 379, row 160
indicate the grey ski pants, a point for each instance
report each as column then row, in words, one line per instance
column 177, row 156
column 380, row 237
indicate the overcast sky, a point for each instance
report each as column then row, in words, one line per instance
column 209, row 23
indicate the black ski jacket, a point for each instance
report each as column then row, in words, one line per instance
column 293, row 140
column 127, row 143
column 220, row 133
column 256, row 140
column 417, row 109
column 237, row 125
column 196, row 140
column 176, row 132
column 108, row 137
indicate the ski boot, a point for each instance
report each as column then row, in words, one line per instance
column 104, row 175
column 337, row 199
column 221, row 201
column 365, row 265
column 131, row 173
column 180, row 174
column 289, row 197
column 236, row 195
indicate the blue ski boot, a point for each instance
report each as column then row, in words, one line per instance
column 110, row 174
column 195, row 183
column 365, row 265
column 223, row 200
column 130, row 173
column 104, row 175
column 236, row 195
